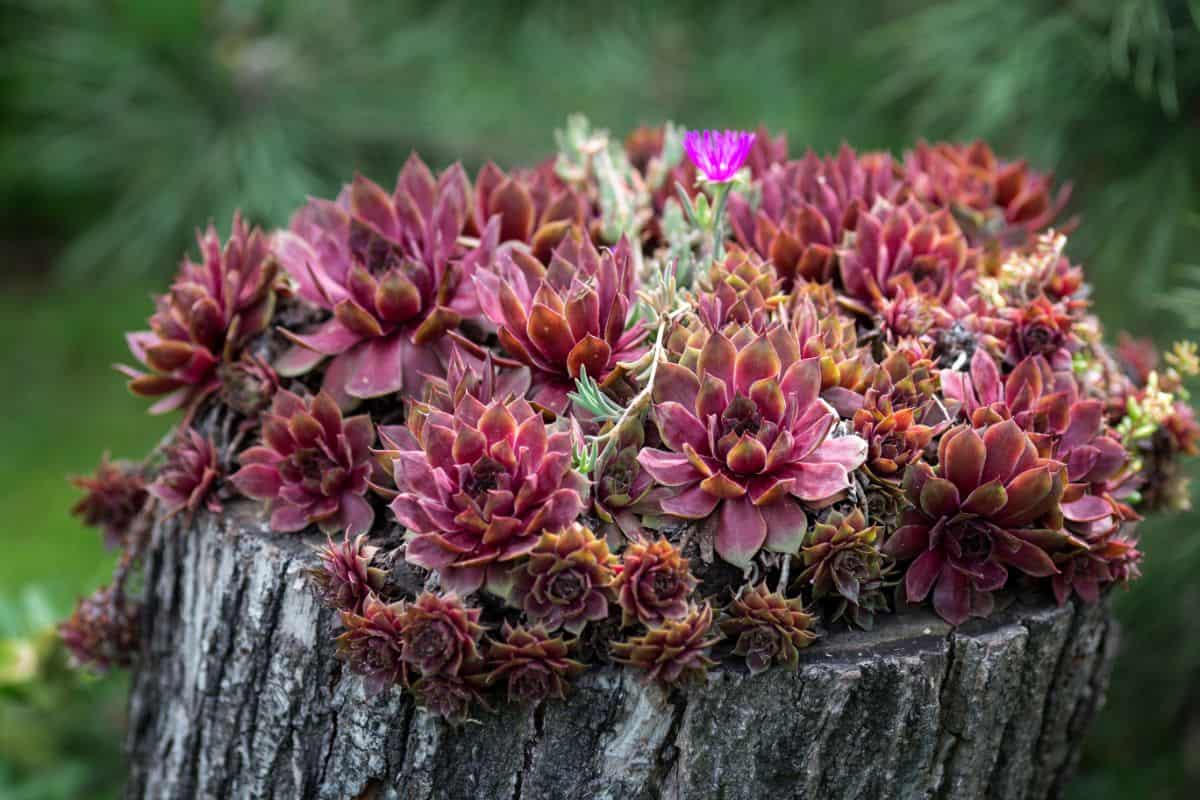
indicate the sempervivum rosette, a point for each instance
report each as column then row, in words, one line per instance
column 768, row 628
column 807, row 205
column 535, row 207
column 891, row 242
column 990, row 504
column 478, row 487
column 675, row 651
column 189, row 476
column 566, row 581
column 211, row 310
column 393, row 273
column 1011, row 201
column 566, row 319
column 748, row 439
column 311, row 466
column 533, row 664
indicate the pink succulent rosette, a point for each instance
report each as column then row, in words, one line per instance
column 311, row 466
column 394, row 274
column 478, row 487
column 748, row 438
column 565, row 319
column 211, row 311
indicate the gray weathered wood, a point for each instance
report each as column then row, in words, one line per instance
column 239, row 696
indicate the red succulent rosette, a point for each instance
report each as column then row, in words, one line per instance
column 439, row 634
column 211, row 310
column 531, row 663
column 675, row 651
column 806, row 207
column 567, row 580
column 534, row 207
column 478, row 487
column 392, row 271
column 906, row 241
column 565, row 319
column 372, row 644
column 102, row 632
column 113, row 497
column 1012, row 201
column 991, row 503
column 345, row 577
column 748, row 438
column 654, row 583
column 768, row 628
column 188, row 478
column 311, row 466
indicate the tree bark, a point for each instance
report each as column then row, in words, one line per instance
column 238, row 695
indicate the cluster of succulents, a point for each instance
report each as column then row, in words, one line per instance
column 630, row 408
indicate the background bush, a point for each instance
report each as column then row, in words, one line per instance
column 126, row 124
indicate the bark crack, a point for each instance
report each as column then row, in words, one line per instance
column 539, row 721
column 948, row 738
column 669, row 751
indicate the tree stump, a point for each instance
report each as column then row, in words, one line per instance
column 238, row 695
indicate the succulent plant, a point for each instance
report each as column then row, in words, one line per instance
column 534, row 207
column 1108, row 559
column 768, row 628
column 1042, row 328
column 113, row 497
column 479, row 487
column 567, row 580
column 391, row 270
column 675, row 651
column 247, row 385
column 744, row 290
column 991, row 503
column 210, row 312
column 894, row 241
column 893, row 436
column 451, row 697
column 346, row 578
column 1012, row 202
column 843, row 564
column 1046, row 404
column 102, row 632
column 807, row 205
column 748, row 439
column 372, row 644
column 439, row 634
column 188, row 478
column 311, row 466
column 479, row 373
column 565, row 319
column 531, row 663
column 623, row 492
column 654, row 583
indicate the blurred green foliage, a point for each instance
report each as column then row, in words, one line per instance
column 127, row 123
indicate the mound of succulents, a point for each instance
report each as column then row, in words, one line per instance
column 684, row 402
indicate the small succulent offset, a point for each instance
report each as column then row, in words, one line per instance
column 674, row 651
column 112, row 498
column 188, row 478
column 567, row 581
column 768, row 628
column 636, row 385
column 531, row 663
column 843, row 564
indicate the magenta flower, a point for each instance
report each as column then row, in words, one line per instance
column 718, row 154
